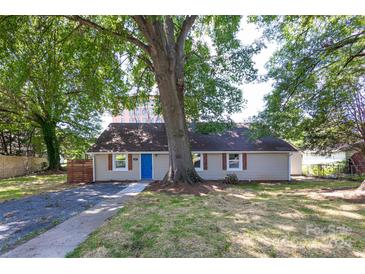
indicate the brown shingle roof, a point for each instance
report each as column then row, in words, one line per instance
column 134, row 137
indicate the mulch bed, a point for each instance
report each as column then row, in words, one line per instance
column 197, row 189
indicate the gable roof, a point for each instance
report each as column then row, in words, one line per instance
column 135, row 137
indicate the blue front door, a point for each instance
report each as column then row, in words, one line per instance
column 146, row 166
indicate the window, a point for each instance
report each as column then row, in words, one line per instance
column 120, row 161
column 234, row 161
column 197, row 161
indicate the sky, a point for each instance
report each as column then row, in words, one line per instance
column 254, row 92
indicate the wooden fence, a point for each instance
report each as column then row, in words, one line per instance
column 79, row 171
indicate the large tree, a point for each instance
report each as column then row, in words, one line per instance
column 196, row 62
column 318, row 72
column 56, row 77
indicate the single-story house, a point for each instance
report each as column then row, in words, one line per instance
column 139, row 151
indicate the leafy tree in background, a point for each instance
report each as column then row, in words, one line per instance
column 16, row 136
column 197, row 64
column 55, row 76
column 318, row 72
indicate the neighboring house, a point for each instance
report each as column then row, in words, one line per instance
column 143, row 113
column 306, row 158
column 312, row 158
column 139, row 151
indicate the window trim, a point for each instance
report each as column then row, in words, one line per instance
column 239, row 162
column 201, row 161
column 120, row 168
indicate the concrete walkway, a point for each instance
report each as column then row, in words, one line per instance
column 62, row 239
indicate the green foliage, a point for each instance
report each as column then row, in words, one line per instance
column 326, row 170
column 213, row 127
column 231, row 179
column 317, row 70
column 216, row 64
column 59, row 74
column 55, row 74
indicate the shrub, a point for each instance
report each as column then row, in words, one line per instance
column 231, row 179
column 325, row 170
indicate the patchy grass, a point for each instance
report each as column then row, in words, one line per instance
column 18, row 187
column 248, row 220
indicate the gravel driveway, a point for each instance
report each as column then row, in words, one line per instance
column 22, row 218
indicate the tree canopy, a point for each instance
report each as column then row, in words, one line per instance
column 318, row 71
column 216, row 62
column 60, row 72
column 55, row 76
column 196, row 63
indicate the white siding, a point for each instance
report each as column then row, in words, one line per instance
column 296, row 163
column 103, row 174
column 160, row 165
column 260, row 166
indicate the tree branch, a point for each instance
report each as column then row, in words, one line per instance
column 169, row 29
column 185, row 29
column 125, row 34
column 144, row 27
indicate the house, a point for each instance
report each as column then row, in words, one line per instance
column 144, row 112
column 344, row 156
column 139, row 151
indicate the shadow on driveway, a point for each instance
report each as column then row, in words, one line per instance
column 20, row 219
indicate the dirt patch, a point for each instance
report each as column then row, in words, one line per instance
column 50, row 172
column 349, row 195
column 197, row 189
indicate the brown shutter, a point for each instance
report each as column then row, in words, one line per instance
column 205, row 161
column 129, row 161
column 244, row 160
column 224, row 161
column 110, row 161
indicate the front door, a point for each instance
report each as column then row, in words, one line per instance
column 146, row 166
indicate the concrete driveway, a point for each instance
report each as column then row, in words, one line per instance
column 23, row 218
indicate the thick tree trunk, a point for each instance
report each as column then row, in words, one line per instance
column 51, row 141
column 181, row 169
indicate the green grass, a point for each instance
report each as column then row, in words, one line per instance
column 18, row 187
column 250, row 220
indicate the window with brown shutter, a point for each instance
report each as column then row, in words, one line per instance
column 110, row 161
column 205, row 161
column 224, row 161
column 130, row 162
column 244, row 161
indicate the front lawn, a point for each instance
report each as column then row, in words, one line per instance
column 18, row 187
column 250, row 220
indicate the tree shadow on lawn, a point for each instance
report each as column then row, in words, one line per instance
column 287, row 224
column 238, row 221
